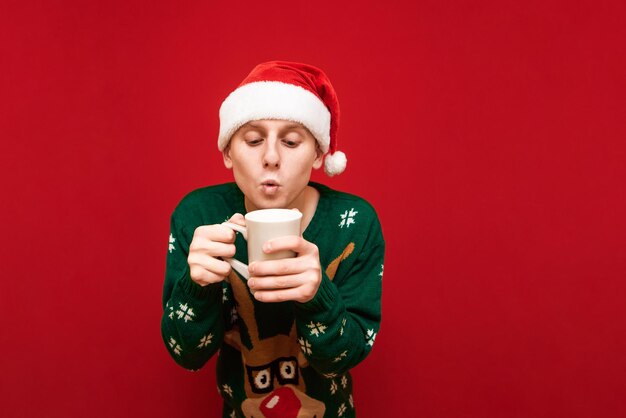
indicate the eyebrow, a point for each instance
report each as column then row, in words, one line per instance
column 294, row 125
column 289, row 127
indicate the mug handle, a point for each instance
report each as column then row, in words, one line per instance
column 237, row 265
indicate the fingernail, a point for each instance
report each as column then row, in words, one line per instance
column 250, row 282
column 267, row 247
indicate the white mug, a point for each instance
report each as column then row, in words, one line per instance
column 261, row 226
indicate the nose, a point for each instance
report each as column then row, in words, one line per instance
column 271, row 154
column 282, row 403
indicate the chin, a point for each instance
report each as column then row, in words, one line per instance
column 268, row 203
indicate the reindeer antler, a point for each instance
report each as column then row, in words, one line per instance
column 331, row 270
column 246, row 307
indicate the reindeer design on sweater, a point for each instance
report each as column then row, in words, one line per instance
column 273, row 383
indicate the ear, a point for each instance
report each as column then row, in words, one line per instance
column 317, row 163
column 228, row 162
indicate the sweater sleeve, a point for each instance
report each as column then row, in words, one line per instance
column 191, row 326
column 337, row 328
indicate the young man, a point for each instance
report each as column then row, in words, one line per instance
column 289, row 335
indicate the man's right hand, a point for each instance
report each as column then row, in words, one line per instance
column 210, row 242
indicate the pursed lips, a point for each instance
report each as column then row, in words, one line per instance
column 270, row 186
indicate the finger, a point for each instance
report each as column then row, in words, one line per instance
column 212, row 248
column 203, row 276
column 274, row 282
column 291, row 242
column 210, row 264
column 238, row 219
column 296, row 294
column 282, row 267
column 219, row 233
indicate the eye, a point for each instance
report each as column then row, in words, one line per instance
column 262, row 379
column 291, row 143
column 287, row 371
column 254, row 141
column 292, row 139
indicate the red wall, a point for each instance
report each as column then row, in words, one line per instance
column 489, row 135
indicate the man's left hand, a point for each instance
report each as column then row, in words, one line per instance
column 294, row 279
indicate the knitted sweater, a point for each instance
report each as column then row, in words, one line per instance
column 283, row 359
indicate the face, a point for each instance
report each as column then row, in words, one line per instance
column 271, row 162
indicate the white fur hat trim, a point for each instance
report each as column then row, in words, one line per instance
column 274, row 100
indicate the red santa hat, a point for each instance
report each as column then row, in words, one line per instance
column 289, row 91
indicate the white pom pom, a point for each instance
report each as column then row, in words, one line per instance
column 335, row 163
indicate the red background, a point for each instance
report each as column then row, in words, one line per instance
column 488, row 135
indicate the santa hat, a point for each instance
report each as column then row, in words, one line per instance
column 289, row 91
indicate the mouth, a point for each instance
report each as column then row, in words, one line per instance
column 270, row 186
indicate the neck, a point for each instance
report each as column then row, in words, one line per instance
column 312, row 197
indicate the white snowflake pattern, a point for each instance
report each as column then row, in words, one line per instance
column 343, row 323
column 172, row 241
column 185, row 312
column 341, row 410
column 329, row 375
column 205, row 341
column 340, row 356
column 344, row 381
column 317, row 329
column 351, row 400
column 333, row 387
column 233, row 315
column 171, row 308
column 175, row 347
column 371, row 336
column 305, row 346
column 382, row 268
column 233, row 415
column 224, row 295
column 227, row 390
column 347, row 218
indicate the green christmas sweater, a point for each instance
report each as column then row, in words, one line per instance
column 278, row 359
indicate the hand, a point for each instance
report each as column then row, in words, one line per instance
column 290, row 278
column 208, row 243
